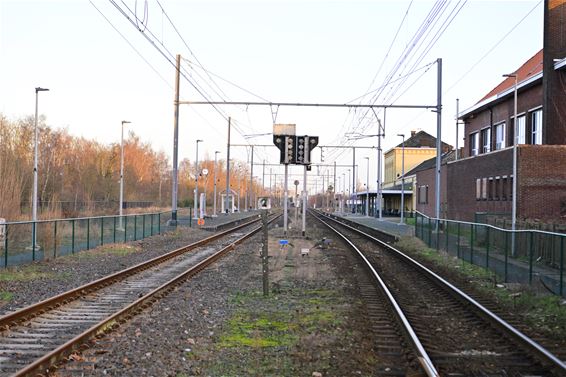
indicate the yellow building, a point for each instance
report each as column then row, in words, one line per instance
column 420, row 147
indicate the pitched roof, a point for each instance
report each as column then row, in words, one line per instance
column 422, row 139
column 431, row 163
column 530, row 68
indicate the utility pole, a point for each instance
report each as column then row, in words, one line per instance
column 215, row 168
column 354, row 180
column 251, row 190
column 457, row 123
column 265, row 253
column 262, row 180
column 175, row 144
column 305, row 198
column 438, row 139
column 285, row 196
column 228, row 192
column 335, row 189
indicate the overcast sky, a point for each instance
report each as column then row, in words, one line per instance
column 101, row 69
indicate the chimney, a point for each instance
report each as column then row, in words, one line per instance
column 554, row 47
column 413, row 132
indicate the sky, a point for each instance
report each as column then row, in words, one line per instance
column 108, row 61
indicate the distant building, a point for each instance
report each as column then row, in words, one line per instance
column 481, row 180
column 420, row 147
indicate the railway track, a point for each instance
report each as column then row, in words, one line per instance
column 450, row 333
column 34, row 339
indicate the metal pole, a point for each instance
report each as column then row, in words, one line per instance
column 175, row 144
column 305, row 199
column 354, row 179
column 265, row 254
column 195, row 204
column 349, row 192
column 215, row 168
column 514, row 203
column 251, row 190
column 438, row 138
column 379, row 191
column 35, row 158
column 367, row 190
column 262, row 179
column 228, row 192
column 457, row 123
column 285, row 196
column 335, row 188
column 122, row 173
column 402, row 208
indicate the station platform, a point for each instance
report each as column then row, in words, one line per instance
column 388, row 225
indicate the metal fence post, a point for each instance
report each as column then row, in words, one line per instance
column 135, row 227
column 472, row 244
column 437, row 226
column 487, row 247
column 458, row 242
column 73, row 236
column 101, row 231
column 190, row 217
column 531, row 258
column 33, row 230
column 143, row 226
column 6, row 246
column 561, row 260
column 55, row 240
column 88, row 233
column 159, row 223
column 114, row 231
column 506, row 254
column 446, row 233
column 125, row 229
column 429, row 234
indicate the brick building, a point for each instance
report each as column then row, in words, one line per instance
column 482, row 180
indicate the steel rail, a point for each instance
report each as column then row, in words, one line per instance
column 45, row 363
column 422, row 355
column 542, row 353
column 33, row 310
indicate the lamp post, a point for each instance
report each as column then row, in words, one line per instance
column 36, row 134
column 367, row 189
column 122, row 172
column 515, row 141
column 402, row 178
column 196, row 184
column 215, row 160
column 348, row 190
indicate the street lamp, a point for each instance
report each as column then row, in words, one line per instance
column 367, row 189
column 515, row 141
column 196, row 183
column 122, row 172
column 402, row 178
column 36, row 134
column 215, row 159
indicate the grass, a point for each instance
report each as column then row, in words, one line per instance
column 26, row 273
column 265, row 334
column 6, row 296
column 545, row 312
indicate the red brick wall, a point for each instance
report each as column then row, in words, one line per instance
column 554, row 44
column 428, row 177
column 542, row 182
column 462, row 175
column 527, row 99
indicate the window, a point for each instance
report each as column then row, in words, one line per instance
column 423, row 194
column 504, row 188
column 536, row 127
column 478, row 189
column 486, row 140
column 497, row 188
column 490, row 188
column 474, row 144
column 484, row 188
column 500, row 136
column 510, row 191
column 521, row 129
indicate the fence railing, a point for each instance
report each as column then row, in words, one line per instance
column 27, row 241
column 520, row 256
